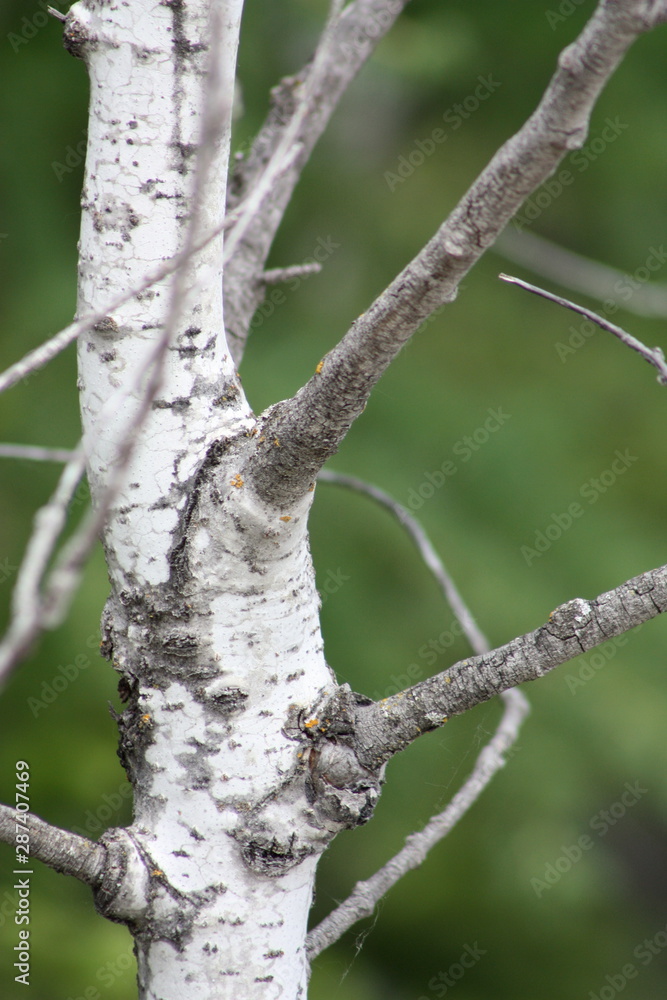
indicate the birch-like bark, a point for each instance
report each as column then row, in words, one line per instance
column 245, row 756
column 212, row 619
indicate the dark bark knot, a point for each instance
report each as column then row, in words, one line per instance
column 339, row 788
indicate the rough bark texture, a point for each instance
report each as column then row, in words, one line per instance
column 245, row 756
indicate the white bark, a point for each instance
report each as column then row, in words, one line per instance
column 245, row 756
column 222, row 624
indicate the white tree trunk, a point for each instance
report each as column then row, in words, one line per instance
column 245, row 756
column 213, row 617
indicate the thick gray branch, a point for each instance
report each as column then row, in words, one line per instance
column 311, row 426
column 65, row 852
column 303, row 103
column 383, row 728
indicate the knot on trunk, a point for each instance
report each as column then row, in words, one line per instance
column 340, row 788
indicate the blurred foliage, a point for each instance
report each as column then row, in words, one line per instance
column 597, row 723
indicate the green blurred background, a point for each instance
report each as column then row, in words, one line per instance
column 597, row 723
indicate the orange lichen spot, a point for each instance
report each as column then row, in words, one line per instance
column 311, row 723
column 285, row 517
column 252, row 432
column 156, row 873
column 444, row 718
column 311, row 487
column 262, row 439
column 448, row 680
column 320, row 366
column 145, row 720
column 276, row 443
column 237, row 481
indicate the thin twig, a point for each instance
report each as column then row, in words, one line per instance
column 654, row 356
column 367, row 894
column 34, row 453
column 581, row 274
column 277, row 275
column 28, row 603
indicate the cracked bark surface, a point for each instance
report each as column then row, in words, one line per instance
column 245, row 755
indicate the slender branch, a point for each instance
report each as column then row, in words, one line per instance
column 473, row 633
column 34, row 453
column 263, row 182
column 367, row 894
column 311, row 425
column 65, row 852
column 654, row 356
column 385, row 727
column 277, row 275
column 29, row 603
column 581, row 274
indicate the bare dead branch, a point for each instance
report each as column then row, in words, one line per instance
column 301, row 108
column 312, row 424
column 65, row 852
column 366, row 895
column 654, row 356
column 385, row 727
column 581, row 274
